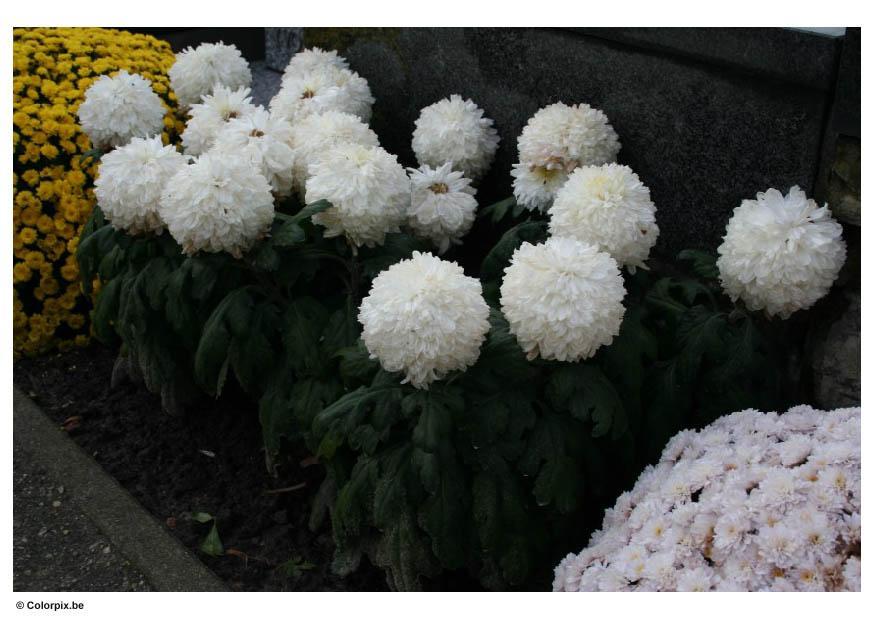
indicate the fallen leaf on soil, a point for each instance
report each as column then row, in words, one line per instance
column 171, row 522
column 285, row 489
column 72, row 423
column 309, row 461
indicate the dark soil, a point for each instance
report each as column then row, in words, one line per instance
column 208, row 460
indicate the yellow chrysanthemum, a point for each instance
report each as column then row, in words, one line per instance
column 53, row 194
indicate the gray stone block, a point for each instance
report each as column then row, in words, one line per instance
column 836, row 359
column 280, row 44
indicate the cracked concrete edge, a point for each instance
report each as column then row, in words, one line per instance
column 167, row 565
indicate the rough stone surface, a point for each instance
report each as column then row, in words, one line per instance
column 702, row 137
column 55, row 546
column 836, row 363
column 280, row 44
column 265, row 82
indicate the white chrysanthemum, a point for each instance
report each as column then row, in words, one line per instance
column 311, row 59
column 315, row 134
column 266, row 142
column 749, row 523
column 220, row 203
column 607, row 206
column 424, row 317
column 442, row 205
column 563, row 299
column 455, row 131
column 567, row 136
column 780, row 253
column 209, row 117
column 197, row 71
column 119, row 108
column 323, row 89
column 367, row 188
column 555, row 141
column 130, row 180
column 534, row 187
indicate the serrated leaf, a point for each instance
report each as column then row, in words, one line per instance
column 403, row 552
column 704, row 264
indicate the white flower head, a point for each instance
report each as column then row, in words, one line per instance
column 320, row 90
column 119, row 108
column 424, row 317
column 266, row 142
column 609, row 207
column 210, row 116
column 311, row 59
column 442, row 205
column 555, row 141
column 455, row 131
column 567, row 136
column 563, row 299
column 197, row 71
column 130, row 181
column 367, row 188
column 219, row 203
column 314, row 135
column 780, row 253
column 535, row 186
column 753, row 527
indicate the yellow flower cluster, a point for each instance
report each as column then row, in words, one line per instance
column 52, row 181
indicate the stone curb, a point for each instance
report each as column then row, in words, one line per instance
column 167, row 565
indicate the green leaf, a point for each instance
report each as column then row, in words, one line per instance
column 497, row 210
column 287, row 234
column 558, row 484
column 265, row 257
column 356, row 364
column 310, row 210
column 352, row 507
column 404, row 553
column 390, row 494
column 212, row 544
column 213, row 349
column 295, row 567
column 444, row 514
column 435, row 418
column 704, row 264
column 303, row 323
column 202, row 517
column 106, row 310
column 499, row 256
column 252, row 355
column 699, row 334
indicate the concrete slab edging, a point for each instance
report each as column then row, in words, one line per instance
column 167, row 565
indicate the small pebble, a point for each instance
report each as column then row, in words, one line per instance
column 56, row 504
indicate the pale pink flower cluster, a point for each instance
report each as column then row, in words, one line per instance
column 755, row 501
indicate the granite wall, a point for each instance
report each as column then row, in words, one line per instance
column 706, row 116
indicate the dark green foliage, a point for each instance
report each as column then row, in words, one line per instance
column 497, row 471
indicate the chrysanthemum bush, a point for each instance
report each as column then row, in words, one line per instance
column 754, row 501
column 53, row 170
column 471, row 415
